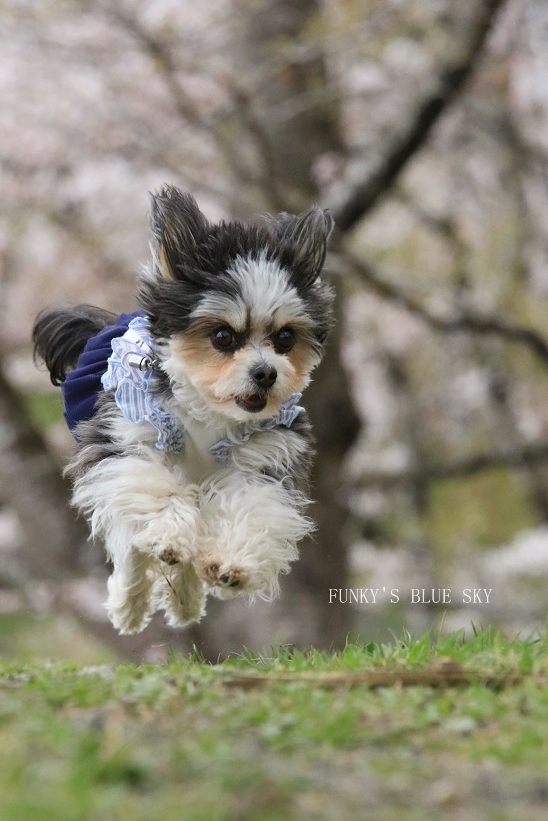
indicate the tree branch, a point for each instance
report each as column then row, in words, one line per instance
column 251, row 120
column 465, row 322
column 160, row 54
column 364, row 194
column 514, row 459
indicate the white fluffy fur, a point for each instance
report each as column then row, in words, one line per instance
column 177, row 527
column 266, row 295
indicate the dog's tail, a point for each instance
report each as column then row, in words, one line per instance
column 60, row 335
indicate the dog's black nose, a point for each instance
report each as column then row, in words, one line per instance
column 264, row 375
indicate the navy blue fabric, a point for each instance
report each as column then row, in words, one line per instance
column 83, row 385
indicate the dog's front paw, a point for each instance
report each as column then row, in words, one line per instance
column 226, row 575
column 169, row 554
column 169, row 538
column 225, row 580
column 170, row 534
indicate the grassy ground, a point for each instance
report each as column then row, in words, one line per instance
column 194, row 741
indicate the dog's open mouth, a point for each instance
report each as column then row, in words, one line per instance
column 253, row 402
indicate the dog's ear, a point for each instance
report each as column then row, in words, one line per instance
column 178, row 226
column 306, row 235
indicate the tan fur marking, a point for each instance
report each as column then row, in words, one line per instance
column 221, row 378
column 304, row 360
column 165, row 269
column 203, row 363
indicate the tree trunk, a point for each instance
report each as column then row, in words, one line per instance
column 32, row 485
column 287, row 146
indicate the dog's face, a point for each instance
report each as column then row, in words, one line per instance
column 240, row 309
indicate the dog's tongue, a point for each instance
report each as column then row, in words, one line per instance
column 254, row 402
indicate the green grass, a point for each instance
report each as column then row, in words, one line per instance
column 44, row 409
column 175, row 742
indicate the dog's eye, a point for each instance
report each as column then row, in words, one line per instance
column 224, row 339
column 284, row 340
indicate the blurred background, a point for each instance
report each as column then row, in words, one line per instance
column 423, row 125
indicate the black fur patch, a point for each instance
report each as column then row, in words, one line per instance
column 194, row 257
column 94, row 438
column 300, row 469
column 60, row 335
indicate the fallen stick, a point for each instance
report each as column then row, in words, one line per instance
column 445, row 675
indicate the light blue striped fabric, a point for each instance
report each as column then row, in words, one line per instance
column 131, row 375
column 243, row 433
column 134, row 388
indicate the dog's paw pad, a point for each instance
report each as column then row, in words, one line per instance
column 169, row 555
column 168, row 548
column 229, row 580
column 226, row 578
